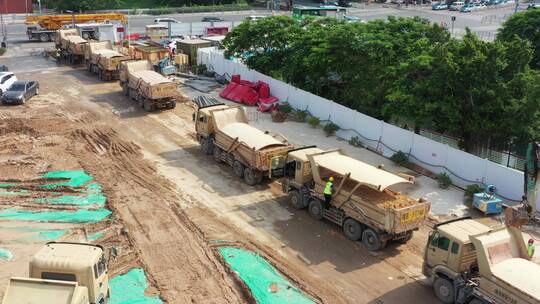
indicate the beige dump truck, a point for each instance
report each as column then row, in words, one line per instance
column 150, row 89
column 362, row 203
column 70, row 273
column 470, row 262
column 70, row 46
column 224, row 132
column 101, row 59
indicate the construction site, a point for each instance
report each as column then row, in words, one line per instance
column 127, row 176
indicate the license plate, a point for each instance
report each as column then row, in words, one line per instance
column 412, row 216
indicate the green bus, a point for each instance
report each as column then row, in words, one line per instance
column 299, row 12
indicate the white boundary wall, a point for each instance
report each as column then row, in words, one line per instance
column 463, row 168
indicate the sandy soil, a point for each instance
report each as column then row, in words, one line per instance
column 172, row 205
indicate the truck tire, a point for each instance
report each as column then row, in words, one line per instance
column 444, row 290
column 295, row 199
column 217, row 154
column 86, row 35
column 238, row 169
column 371, row 239
column 207, row 147
column 44, row 37
column 147, row 105
column 125, row 89
column 477, row 301
column 252, row 176
column 172, row 105
column 315, row 209
column 408, row 237
column 352, row 229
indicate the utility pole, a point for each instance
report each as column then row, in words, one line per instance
column 39, row 3
column 453, row 20
column 515, row 9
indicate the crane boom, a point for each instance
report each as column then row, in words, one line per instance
column 54, row 22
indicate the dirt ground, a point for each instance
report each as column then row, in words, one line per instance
column 172, row 205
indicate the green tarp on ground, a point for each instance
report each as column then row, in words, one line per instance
column 79, row 216
column 94, row 236
column 129, row 289
column 83, row 200
column 266, row 284
column 76, row 178
column 5, row 255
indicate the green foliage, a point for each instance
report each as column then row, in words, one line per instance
column 82, row 5
column 301, row 115
column 355, row 141
column 444, row 180
column 330, row 128
column 525, row 25
column 400, row 158
column 405, row 69
column 471, row 189
column 314, row 121
column 2, row 51
column 285, row 108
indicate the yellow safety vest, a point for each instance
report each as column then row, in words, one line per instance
column 530, row 250
column 328, row 188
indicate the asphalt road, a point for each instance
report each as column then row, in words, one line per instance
column 484, row 23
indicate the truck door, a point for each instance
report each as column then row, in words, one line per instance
column 437, row 249
column 201, row 123
column 277, row 166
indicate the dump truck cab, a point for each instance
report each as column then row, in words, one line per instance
column 204, row 124
column 470, row 262
column 450, row 256
column 74, row 262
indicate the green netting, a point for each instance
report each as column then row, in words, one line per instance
column 266, row 284
column 45, row 235
column 5, row 255
column 129, row 289
column 94, row 236
column 76, row 178
column 83, row 200
column 14, row 193
column 5, row 185
column 79, row 216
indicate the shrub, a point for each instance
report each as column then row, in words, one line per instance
column 400, row 158
column 444, row 180
column 472, row 189
column 301, row 115
column 285, row 108
column 314, row 121
column 2, row 51
column 330, row 128
column 355, row 141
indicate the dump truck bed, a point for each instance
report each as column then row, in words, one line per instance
column 518, row 273
column 256, row 147
column 361, row 190
column 35, row 291
column 152, row 84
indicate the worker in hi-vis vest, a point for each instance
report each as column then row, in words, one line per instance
column 328, row 189
column 530, row 248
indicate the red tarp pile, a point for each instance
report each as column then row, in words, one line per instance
column 250, row 93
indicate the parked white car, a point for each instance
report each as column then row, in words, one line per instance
column 6, row 80
column 166, row 20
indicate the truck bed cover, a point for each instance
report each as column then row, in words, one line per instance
column 359, row 171
column 107, row 53
column 151, row 77
column 251, row 136
column 521, row 274
column 75, row 39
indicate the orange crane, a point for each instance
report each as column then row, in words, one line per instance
column 43, row 27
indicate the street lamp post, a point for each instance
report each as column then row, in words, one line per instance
column 39, row 4
column 453, row 20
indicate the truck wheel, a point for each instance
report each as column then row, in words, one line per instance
column 304, row 194
column 44, row 37
column 295, row 200
column 444, row 290
column 371, row 240
column 315, row 209
column 252, row 176
column 476, row 301
column 238, row 169
column 217, row 154
column 352, row 229
column 86, row 35
column 206, row 146
column 408, row 237
column 125, row 89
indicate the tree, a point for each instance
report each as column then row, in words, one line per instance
column 263, row 44
column 525, row 25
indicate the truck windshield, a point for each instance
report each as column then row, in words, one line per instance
column 58, row 276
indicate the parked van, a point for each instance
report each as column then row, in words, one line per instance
column 456, row 6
